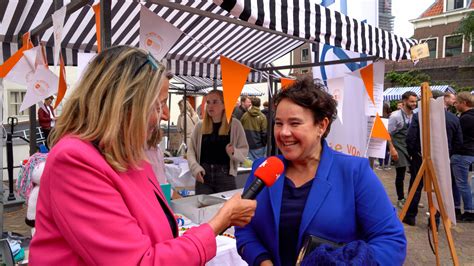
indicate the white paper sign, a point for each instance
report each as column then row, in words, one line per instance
column 156, row 34
column 44, row 83
column 379, row 74
column 377, row 147
column 58, row 23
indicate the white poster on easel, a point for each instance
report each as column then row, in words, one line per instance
column 440, row 154
column 377, row 147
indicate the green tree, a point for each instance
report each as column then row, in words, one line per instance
column 407, row 79
column 466, row 28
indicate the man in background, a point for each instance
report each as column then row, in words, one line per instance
column 398, row 125
column 449, row 100
column 46, row 118
column 254, row 123
column 463, row 156
column 240, row 110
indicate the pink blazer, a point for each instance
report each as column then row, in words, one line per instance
column 88, row 214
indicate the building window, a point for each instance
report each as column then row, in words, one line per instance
column 305, row 55
column 15, row 100
column 304, row 71
column 433, row 47
column 454, row 4
column 452, row 45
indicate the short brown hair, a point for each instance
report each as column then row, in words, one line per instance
column 310, row 95
column 255, row 101
column 243, row 98
column 465, row 96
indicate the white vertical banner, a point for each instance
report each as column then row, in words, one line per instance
column 336, row 89
column 377, row 147
column 58, row 23
column 156, row 34
column 351, row 137
column 83, row 60
column 440, row 153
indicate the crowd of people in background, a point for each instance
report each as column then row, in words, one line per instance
column 405, row 149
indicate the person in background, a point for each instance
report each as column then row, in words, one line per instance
column 385, row 163
column 463, row 156
column 399, row 105
column 99, row 202
column 216, row 148
column 265, row 110
column 46, row 118
column 413, row 140
column 398, row 125
column 244, row 105
column 322, row 193
column 254, row 123
column 191, row 120
column 449, row 99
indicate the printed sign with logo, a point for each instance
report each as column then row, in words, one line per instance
column 156, row 34
column 419, row 51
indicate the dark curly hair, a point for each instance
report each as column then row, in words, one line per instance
column 310, row 95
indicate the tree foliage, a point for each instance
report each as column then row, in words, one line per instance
column 407, row 79
column 466, row 27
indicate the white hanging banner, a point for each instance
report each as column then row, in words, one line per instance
column 156, row 34
column 350, row 137
column 336, row 89
column 440, row 153
column 43, row 84
column 83, row 60
column 58, row 24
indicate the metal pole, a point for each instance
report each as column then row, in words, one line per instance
column 13, row 121
column 270, row 144
column 169, row 122
column 105, row 24
column 185, row 115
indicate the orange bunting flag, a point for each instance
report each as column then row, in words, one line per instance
column 96, row 9
column 234, row 76
column 367, row 75
column 62, row 86
column 379, row 131
column 11, row 62
column 285, row 82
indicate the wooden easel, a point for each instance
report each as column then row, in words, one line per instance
column 430, row 180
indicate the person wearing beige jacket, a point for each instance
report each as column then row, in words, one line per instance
column 191, row 120
column 216, row 148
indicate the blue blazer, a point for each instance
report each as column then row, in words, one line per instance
column 347, row 202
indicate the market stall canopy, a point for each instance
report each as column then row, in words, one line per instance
column 257, row 38
column 395, row 93
column 248, row 90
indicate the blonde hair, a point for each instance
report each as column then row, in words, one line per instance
column 189, row 109
column 466, row 97
column 112, row 105
column 207, row 121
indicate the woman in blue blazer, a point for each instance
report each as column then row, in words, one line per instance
column 322, row 192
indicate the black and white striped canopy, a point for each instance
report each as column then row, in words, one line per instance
column 206, row 25
column 310, row 21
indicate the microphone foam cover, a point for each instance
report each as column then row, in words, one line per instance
column 270, row 170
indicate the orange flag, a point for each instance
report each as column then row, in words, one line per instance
column 62, row 86
column 11, row 62
column 96, row 9
column 379, row 131
column 285, row 82
column 367, row 75
column 234, row 76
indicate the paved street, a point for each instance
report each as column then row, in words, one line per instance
column 419, row 252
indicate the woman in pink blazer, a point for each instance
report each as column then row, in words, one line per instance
column 100, row 203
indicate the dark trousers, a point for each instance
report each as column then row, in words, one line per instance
column 217, row 179
column 400, row 176
column 46, row 134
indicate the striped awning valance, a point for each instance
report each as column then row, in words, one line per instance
column 395, row 93
column 310, row 21
column 247, row 90
column 196, row 53
column 196, row 83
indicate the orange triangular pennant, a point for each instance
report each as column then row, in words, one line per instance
column 96, row 9
column 367, row 75
column 234, row 76
column 62, row 86
column 11, row 62
column 285, row 82
column 379, row 131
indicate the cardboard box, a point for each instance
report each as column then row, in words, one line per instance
column 199, row 209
